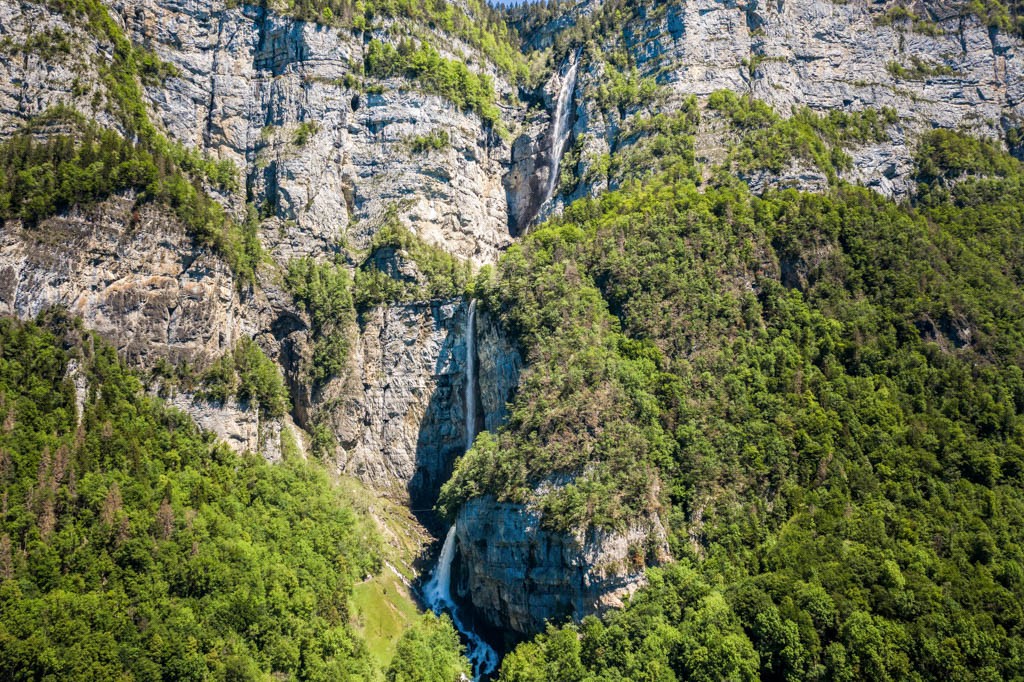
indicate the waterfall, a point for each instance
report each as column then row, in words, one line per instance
column 437, row 593
column 560, row 129
column 471, row 375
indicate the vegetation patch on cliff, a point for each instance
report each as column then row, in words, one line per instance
column 475, row 21
column 769, row 142
column 446, row 77
column 84, row 164
column 399, row 268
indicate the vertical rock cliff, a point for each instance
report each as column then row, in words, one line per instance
column 518, row 576
column 321, row 157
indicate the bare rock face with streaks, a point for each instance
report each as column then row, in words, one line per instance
column 820, row 54
column 399, row 411
column 517, row 575
column 279, row 98
column 135, row 276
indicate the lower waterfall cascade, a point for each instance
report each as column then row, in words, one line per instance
column 437, row 592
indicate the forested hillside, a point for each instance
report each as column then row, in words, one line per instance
column 132, row 546
column 823, row 395
column 640, row 339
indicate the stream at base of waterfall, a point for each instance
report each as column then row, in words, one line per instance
column 438, row 596
column 437, row 593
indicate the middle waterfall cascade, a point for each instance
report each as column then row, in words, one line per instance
column 438, row 591
column 470, row 375
column 561, row 130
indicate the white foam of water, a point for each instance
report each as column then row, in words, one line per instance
column 437, row 593
column 561, row 130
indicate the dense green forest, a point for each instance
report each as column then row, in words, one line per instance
column 132, row 546
column 822, row 394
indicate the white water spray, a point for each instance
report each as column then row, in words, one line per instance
column 438, row 591
column 561, row 130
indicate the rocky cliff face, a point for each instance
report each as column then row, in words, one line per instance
column 400, row 411
column 517, row 575
column 250, row 78
column 324, row 159
column 498, row 365
column 825, row 55
column 135, row 276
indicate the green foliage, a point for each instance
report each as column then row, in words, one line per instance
column 400, row 267
column 901, row 16
column 770, row 142
column 248, row 374
column 623, row 91
column 446, row 77
column 1007, row 15
column 677, row 629
column 946, row 155
column 435, row 140
column 49, row 45
column 40, row 179
column 429, row 652
column 134, row 547
column 324, row 290
column 918, row 69
column 662, row 143
column 474, row 21
column 380, row 279
column 567, row 176
column 165, row 170
column 304, row 131
column 821, row 395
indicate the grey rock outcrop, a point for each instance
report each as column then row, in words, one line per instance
column 400, row 410
column 517, row 575
column 69, row 74
column 498, row 365
column 135, row 276
column 824, row 55
column 278, row 97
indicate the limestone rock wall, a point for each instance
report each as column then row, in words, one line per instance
column 135, row 276
column 251, row 79
column 517, row 575
column 822, row 54
column 400, row 411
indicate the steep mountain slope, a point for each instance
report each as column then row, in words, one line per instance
column 689, row 350
column 133, row 546
column 822, row 396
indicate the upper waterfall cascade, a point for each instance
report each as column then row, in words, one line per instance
column 560, row 129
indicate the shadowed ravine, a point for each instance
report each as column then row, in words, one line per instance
column 437, row 592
